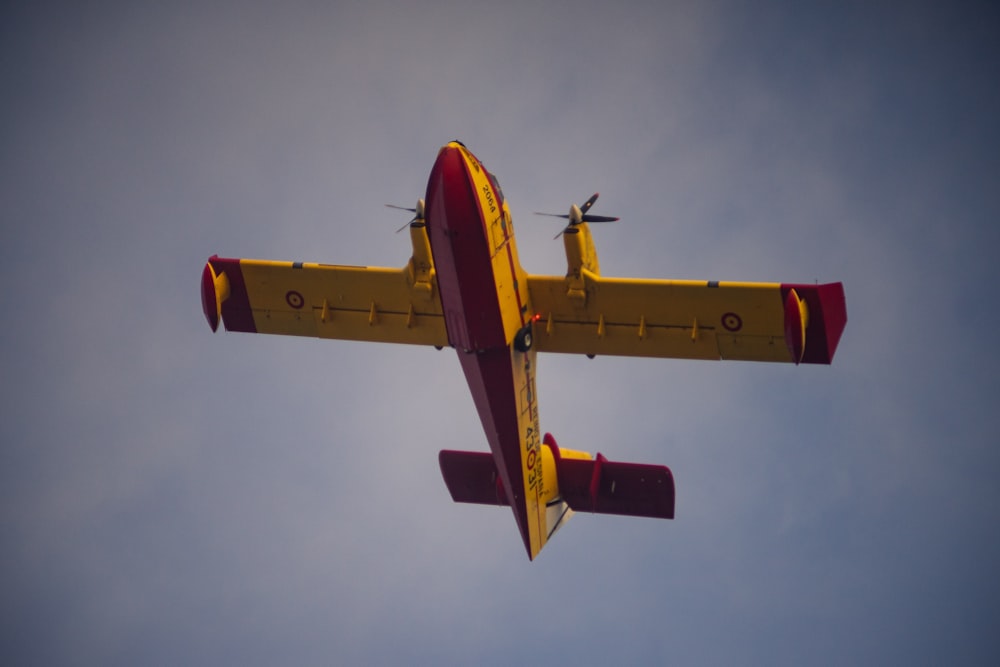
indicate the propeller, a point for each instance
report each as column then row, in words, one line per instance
column 578, row 215
column 418, row 213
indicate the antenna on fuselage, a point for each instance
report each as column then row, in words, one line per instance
column 578, row 215
column 418, row 213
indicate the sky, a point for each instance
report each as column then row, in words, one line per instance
column 169, row 496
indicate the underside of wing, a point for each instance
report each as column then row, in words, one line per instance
column 688, row 319
column 323, row 301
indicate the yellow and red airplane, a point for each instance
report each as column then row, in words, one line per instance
column 464, row 288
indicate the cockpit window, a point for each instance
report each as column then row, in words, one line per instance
column 496, row 188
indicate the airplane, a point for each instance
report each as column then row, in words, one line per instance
column 464, row 288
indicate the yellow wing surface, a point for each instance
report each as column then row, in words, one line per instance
column 687, row 319
column 325, row 301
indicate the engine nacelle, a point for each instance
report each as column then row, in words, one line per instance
column 580, row 251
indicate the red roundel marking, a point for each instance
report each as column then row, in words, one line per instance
column 295, row 299
column 531, row 458
column 732, row 322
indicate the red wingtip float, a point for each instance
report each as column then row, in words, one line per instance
column 214, row 290
column 464, row 288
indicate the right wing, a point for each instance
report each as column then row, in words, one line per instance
column 687, row 319
column 324, row 301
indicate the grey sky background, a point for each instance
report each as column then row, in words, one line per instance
column 172, row 497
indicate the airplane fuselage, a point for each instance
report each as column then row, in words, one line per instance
column 485, row 301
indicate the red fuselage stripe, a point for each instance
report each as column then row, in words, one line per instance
column 462, row 251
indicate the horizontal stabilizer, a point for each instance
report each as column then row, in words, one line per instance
column 471, row 477
column 597, row 486
column 608, row 487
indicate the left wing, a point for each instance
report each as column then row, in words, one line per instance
column 324, row 301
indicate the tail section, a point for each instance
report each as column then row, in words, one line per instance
column 581, row 484
column 472, row 477
column 601, row 486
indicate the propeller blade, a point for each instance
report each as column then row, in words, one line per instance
column 418, row 213
column 590, row 202
column 578, row 215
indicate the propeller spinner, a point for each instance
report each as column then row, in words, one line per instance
column 578, row 214
column 418, row 213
